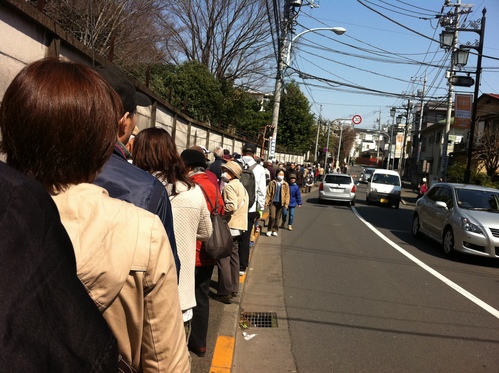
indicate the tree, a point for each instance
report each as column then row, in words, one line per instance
column 295, row 120
column 121, row 30
column 231, row 38
column 486, row 149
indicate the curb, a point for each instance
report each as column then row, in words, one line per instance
column 223, row 354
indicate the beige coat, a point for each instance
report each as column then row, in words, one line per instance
column 236, row 205
column 124, row 260
column 271, row 189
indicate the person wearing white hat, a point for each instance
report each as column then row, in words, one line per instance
column 236, row 210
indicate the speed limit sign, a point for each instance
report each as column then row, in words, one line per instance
column 357, row 119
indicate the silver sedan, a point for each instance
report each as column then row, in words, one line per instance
column 338, row 187
column 461, row 217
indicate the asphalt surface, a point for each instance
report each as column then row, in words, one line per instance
column 376, row 311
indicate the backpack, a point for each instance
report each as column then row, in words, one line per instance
column 248, row 180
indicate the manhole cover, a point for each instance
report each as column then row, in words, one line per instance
column 259, row 319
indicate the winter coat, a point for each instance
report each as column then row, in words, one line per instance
column 271, row 190
column 236, row 205
column 294, row 195
column 125, row 262
column 191, row 222
column 201, row 178
column 48, row 323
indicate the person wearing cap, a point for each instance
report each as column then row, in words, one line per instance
column 196, row 167
column 236, row 210
column 255, row 211
column 121, row 179
column 123, row 256
column 211, row 175
column 294, row 200
column 423, row 188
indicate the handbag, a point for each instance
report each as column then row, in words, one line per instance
column 219, row 245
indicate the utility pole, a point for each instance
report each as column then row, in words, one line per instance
column 450, row 95
column 406, row 129
column 379, row 135
column 317, row 139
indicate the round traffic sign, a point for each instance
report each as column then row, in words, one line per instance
column 356, row 119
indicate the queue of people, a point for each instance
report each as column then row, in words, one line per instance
column 122, row 226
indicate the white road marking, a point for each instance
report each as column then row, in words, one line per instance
column 427, row 268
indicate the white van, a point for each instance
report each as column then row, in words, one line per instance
column 384, row 187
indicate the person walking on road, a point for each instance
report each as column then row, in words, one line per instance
column 294, row 200
column 277, row 198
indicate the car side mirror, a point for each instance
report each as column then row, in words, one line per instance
column 368, row 179
column 441, row 204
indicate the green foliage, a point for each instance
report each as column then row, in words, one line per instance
column 295, row 120
column 455, row 174
column 192, row 89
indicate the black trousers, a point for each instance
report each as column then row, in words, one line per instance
column 244, row 242
column 201, row 313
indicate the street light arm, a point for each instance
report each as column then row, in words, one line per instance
column 336, row 30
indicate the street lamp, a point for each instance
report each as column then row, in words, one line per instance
column 336, row 30
column 281, row 67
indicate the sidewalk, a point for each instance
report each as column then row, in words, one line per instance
column 261, row 292
column 409, row 194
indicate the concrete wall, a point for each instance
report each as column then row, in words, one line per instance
column 27, row 35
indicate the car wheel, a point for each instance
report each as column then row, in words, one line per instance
column 352, row 202
column 367, row 199
column 448, row 242
column 397, row 205
column 415, row 226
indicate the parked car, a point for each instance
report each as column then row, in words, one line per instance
column 384, row 186
column 337, row 187
column 366, row 174
column 461, row 217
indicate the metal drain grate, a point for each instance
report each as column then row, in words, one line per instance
column 259, row 319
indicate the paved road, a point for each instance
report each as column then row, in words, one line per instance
column 349, row 300
column 353, row 303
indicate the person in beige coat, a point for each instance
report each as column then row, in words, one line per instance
column 123, row 255
column 236, row 211
column 277, row 197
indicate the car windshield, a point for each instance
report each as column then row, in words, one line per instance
column 386, row 179
column 336, row 179
column 368, row 171
column 476, row 199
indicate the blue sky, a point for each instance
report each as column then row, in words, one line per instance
column 375, row 51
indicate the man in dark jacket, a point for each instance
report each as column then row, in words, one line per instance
column 215, row 167
column 120, row 178
column 48, row 322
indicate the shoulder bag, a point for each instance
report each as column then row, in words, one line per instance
column 219, row 245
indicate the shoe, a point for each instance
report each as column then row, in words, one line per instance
column 200, row 352
column 268, row 234
column 274, row 234
column 290, row 227
column 227, row 299
column 234, row 294
column 242, row 273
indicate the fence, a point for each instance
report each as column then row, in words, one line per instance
column 27, row 35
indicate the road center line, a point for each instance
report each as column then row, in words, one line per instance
column 427, row 268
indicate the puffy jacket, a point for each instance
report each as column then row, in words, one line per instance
column 124, row 259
